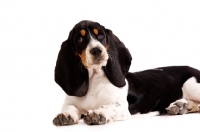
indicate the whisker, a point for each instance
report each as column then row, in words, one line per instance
column 112, row 52
column 111, row 58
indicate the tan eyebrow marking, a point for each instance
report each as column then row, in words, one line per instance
column 83, row 32
column 96, row 31
column 107, row 47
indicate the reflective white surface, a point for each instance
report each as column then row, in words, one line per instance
column 157, row 33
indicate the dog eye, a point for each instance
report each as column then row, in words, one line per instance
column 100, row 36
column 80, row 40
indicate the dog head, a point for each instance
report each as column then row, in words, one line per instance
column 90, row 45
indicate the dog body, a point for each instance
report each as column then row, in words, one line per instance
column 92, row 69
column 155, row 89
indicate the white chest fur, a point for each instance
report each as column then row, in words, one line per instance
column 101, row 92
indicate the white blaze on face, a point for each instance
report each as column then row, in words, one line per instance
column 90, row 60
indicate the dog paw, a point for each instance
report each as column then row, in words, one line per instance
column 178, row 107
column 63, row 120
column 198, row 108
column 94, row 118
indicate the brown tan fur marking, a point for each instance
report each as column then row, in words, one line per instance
column 107, row 47
column 83, row 32
column 96, row 31
column 83, row 58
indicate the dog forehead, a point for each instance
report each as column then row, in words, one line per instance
column 86, row 25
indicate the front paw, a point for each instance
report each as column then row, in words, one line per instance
column 63, row 120
column 94, row 118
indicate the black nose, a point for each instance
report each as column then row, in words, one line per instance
column 96, row 51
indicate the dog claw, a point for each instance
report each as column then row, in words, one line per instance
column 177, row 108
column 62, row 120
column 94, row 119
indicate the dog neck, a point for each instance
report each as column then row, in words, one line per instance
column 95, row 72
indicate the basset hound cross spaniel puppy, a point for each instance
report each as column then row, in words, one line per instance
column 92, row 69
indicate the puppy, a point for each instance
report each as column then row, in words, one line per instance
column 92, row 69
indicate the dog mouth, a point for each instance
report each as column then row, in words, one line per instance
column 96, row 61
column 99, row 60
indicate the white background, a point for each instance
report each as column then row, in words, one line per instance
column 157, row 33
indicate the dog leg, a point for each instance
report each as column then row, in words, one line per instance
column 183, row 106
column 107, row 113
column 193, row 106
column 198, row 108
column 69, row 116
column 191, row 91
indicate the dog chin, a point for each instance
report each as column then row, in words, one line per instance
column 97, row 65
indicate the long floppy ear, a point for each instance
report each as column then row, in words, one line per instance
column 119, row 60
column 70, row 74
